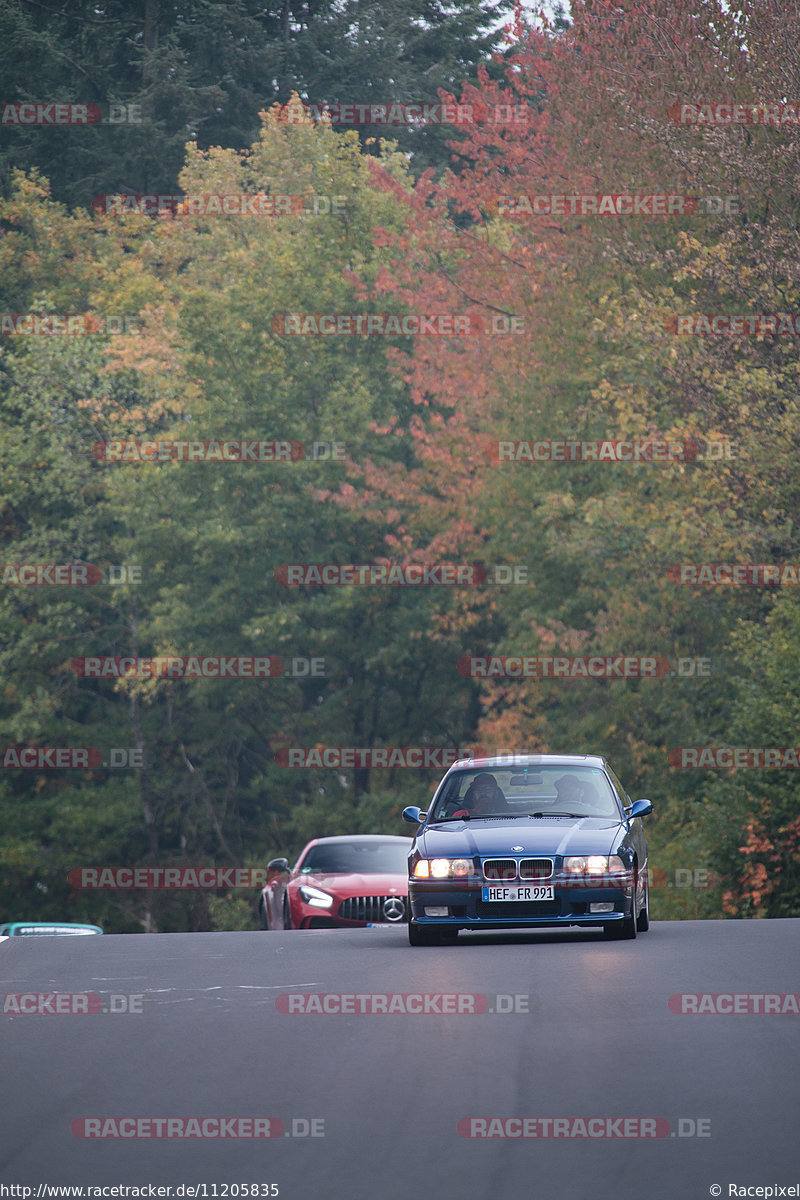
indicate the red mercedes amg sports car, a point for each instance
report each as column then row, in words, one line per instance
column 338, row 882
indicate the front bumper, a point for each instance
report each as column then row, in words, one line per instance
column 571, row 905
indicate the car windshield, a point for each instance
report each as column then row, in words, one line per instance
column 526, row 791
column 363, row 858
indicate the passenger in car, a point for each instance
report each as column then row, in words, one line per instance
column 580, row 796
column 570, row 790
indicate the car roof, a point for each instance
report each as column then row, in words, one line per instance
column 532, row 760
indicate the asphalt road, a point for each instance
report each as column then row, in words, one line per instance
column 374, row 1106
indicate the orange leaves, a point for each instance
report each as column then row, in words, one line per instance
column 770, row 862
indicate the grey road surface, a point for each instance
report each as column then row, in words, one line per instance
column 563, row 1030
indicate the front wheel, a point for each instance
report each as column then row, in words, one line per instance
column 422, row 935
column 643, row 920
column 622, row 930
column 287, row 916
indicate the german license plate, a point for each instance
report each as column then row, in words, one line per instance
column 527, row 891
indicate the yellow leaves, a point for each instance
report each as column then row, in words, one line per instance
column 602, row 390
column 291, row 113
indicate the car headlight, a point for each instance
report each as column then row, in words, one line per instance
column 315, row 897
column 442, row 868
column 594, row 864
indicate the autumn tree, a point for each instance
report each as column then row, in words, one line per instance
column 600, row 358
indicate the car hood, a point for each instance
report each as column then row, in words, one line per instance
column 545, row 835
column 356, row 884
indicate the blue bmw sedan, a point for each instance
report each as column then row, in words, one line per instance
column 527, row 841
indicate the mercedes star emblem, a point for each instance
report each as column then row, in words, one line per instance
column 394, row 909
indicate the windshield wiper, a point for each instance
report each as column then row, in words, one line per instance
column 478, row 817
column 558, row 814
column 492, row 817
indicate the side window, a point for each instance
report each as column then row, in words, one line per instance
column 624, row 798
column 449, row 797
column 445, row 795
column 456, row 789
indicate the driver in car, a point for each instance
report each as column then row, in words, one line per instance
column 484, row 797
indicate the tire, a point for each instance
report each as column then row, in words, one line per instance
column 422, row 935
column 262, row 915
column 287, row 916
column 621, row 931
column 643, row 919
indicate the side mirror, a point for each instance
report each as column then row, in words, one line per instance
column 414, row 815
column 279, row 864
column 639, row 808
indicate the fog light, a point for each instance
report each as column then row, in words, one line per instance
column 602, row 906
column 438, row 910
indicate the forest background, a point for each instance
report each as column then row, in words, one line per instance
column 583, row 327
